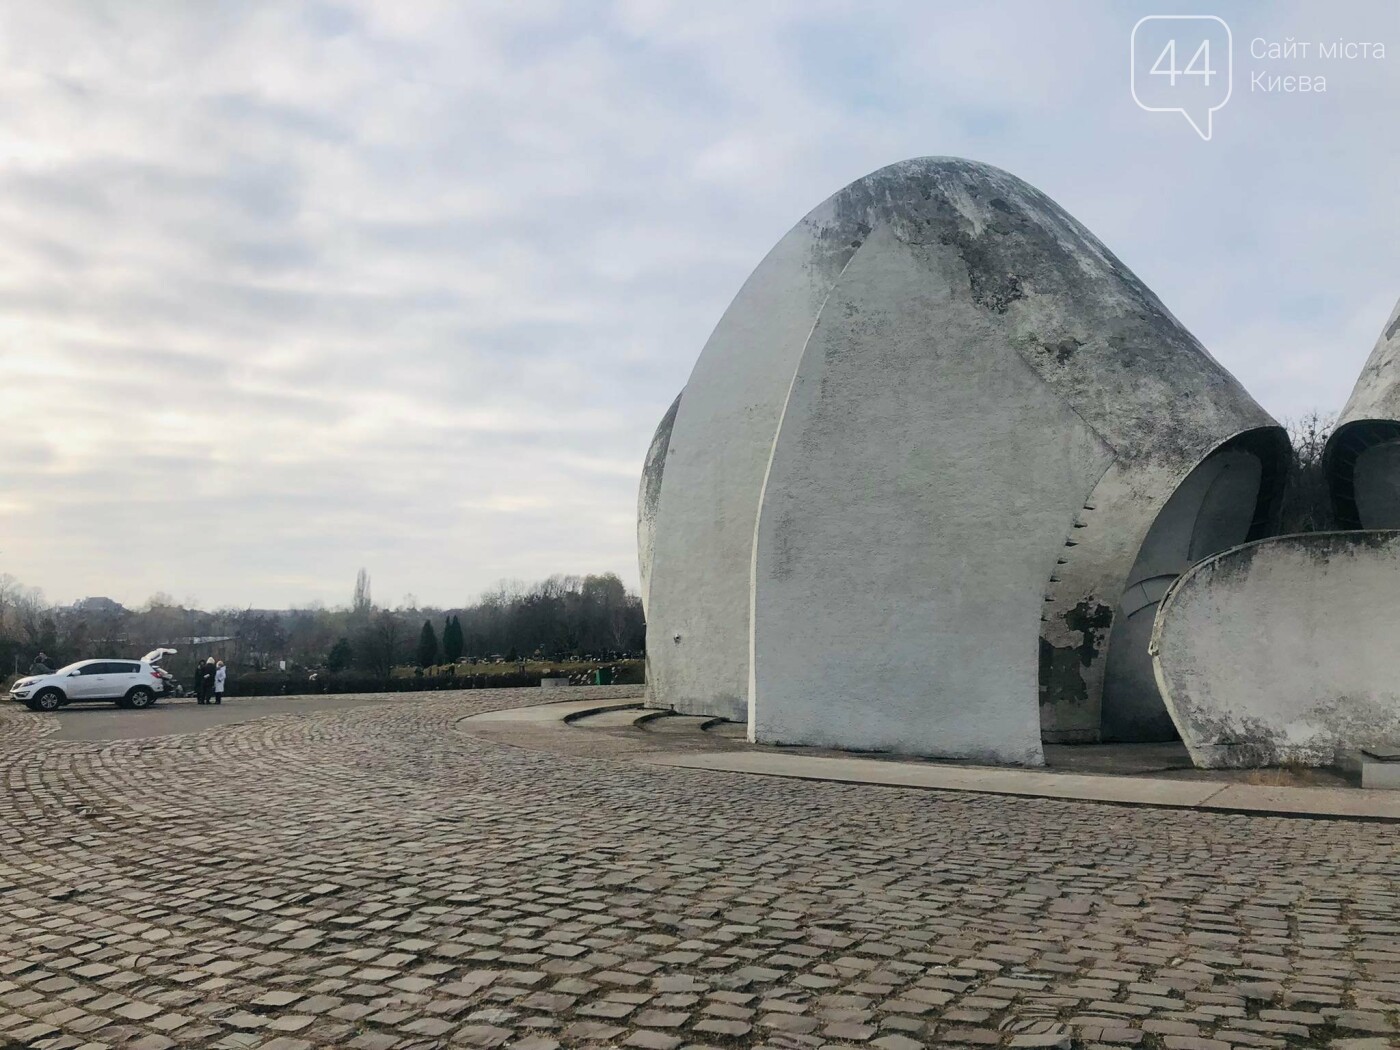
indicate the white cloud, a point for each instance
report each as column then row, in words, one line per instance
column 287, row 288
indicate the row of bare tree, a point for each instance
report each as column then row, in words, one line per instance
column 560, row 618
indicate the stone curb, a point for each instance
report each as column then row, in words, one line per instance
column 1207, row 795
column 1328, row 803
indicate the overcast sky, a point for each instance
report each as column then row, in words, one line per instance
column 287, row 289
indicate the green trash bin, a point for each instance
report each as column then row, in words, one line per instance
column 603, row 676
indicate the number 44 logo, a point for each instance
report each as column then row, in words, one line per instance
column 1199, row 66
column 1162, row 84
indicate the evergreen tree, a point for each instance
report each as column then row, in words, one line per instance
column 427, row 645
column 338, row 659
column 452, row 640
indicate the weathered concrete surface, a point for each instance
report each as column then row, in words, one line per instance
column 917, row 498
column 1000, row 277
column 1362, row 459
column 649, row 496
column 717, row 452
column 1161, row 792
column 1210, row 511
column 995, row 275
column 1284, row 650
column 1369, row 772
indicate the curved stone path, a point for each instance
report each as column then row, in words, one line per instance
column 374, row 878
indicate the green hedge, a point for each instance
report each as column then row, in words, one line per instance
column 282, row 683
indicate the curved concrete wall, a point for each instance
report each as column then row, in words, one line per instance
column 698, row 605
column 1284, row 650
column 1212, row 510
column 1020, row 331
column 1376, row 483
column 917, row 497
column 649, row 496
column 1364, row 450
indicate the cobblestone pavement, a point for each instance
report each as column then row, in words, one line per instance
column 374, row 878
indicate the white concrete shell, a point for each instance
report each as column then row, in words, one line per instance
column 717, row 452
column 1362, row 460
column 1284, row 650
column 953, row 417
column 906, row 531
column 650, row 496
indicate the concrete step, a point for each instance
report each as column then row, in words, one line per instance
column 728, row 730
column 667, row 722
column 614, row 718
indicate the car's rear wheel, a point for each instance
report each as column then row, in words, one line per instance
column 48, row 700
column 140, row 697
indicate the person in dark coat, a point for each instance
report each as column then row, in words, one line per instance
column 40, row 665
column 206, row 680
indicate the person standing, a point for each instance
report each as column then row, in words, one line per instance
column 220, row 675
column 206, row 680
column 40, row 664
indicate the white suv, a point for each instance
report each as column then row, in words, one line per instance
column 128, row 683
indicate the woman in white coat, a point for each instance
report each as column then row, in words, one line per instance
column 220, row 674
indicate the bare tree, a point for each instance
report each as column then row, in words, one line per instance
column 380, row 644
column 1307, row 502
column 10, row 588
column 35, row 618
column 559, row 617
column 108, row 630
column 259, row 637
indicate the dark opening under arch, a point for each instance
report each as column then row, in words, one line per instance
column 1231, row 497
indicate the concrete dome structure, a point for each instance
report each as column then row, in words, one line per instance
column 930, row 476
column 1362, row 460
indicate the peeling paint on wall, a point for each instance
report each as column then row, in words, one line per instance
column 1062, row 667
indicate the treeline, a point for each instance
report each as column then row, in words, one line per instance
column 561, row 618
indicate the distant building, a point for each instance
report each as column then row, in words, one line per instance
column 98, row 605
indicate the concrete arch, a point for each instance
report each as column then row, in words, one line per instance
column 1362, row 459
column 1230, row 497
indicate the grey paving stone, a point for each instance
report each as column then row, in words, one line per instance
column 379, row 879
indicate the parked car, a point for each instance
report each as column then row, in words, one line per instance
column 127, row 683
column 170, row 685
